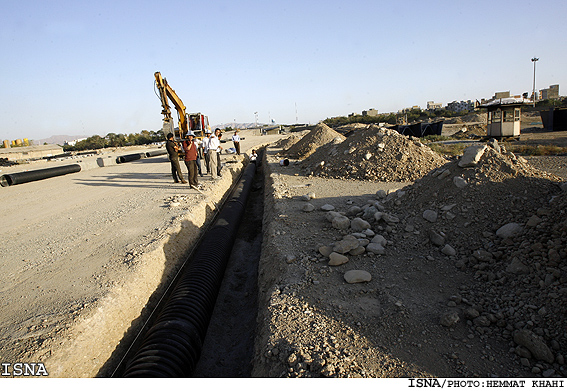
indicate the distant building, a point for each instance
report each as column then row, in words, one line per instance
column 457, row 107
column 434, row 106
column 550, row 93
column 370, row 112
column 501, row 95
column 408, row 109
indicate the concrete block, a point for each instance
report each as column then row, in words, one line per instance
column 106, row 161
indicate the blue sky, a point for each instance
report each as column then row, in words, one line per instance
column 87, row 67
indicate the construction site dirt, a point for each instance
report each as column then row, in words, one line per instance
column 430, row 287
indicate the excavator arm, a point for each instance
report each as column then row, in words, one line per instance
column 165, row 92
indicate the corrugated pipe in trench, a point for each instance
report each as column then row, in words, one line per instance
column 172, row 346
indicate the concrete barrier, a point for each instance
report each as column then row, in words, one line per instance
column 106, row 161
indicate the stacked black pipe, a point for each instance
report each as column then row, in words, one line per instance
column 172, row 346
column 36, row 175
column 157, row 152
column 130, row 158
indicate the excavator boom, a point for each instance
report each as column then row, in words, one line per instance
column 165, row 92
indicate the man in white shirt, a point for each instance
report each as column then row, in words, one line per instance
column 214, row 149
column 236, row 141
column 206, row 149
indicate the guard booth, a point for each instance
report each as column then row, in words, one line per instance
column 503, row 117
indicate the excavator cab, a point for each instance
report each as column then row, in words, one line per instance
column 198, row 123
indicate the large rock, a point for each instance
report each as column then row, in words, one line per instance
column 472, row 155
column 308, row 207
column 381, row 194
column 325, row 251
column 390, row 219
column 449, row 319
column 436, row 238
column 348, row 243
column 535, row 344
column 380, row 240
column 369, row 212
column 358, row 224
column 517, row 267
column 341, row 222
column 354, row 276
column 430, row 215
column 493, row 143
column 509, row 230
column 534, row 221
column 357, row 251
column 330, row 215
column 376, row 248
column 482, row 255
column 354, row 210
column 448, row 250
column 460, row 182
column 336, row 259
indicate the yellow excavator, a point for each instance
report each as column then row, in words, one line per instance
column 195, row 122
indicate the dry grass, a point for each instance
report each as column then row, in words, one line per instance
column 457, row 149
column 536, row 150
column 448, row 149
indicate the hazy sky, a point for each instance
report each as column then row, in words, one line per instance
column 87, row 67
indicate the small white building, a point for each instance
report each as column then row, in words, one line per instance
column 503, row 117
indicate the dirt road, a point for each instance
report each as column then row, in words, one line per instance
column 84, row 252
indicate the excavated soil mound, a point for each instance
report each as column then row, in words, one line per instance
column 474, row 117
column 507, row 223
column 287, row 142
column 350, row 127
column 374, row 154
column 320, row 135
column 471, row 132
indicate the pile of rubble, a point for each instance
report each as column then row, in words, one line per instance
column 470, row 132
column 320, row 135
column 505, row 221
column 373, row 153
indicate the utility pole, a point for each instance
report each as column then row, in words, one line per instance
column 534, row 60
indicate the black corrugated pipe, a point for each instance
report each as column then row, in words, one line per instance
column 35, row 175
column 156, row 153
column 172, row 346
column 129, row 158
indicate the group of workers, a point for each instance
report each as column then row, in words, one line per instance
column 194, row 150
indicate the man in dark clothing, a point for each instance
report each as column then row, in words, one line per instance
column 172, row 149
column 191, row 159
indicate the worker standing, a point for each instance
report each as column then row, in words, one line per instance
column 236, row 141
column 219, row 164
column 199, row 146
column 214, row 149
column 191, row 159
column 206, row 149
column 172, row 151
